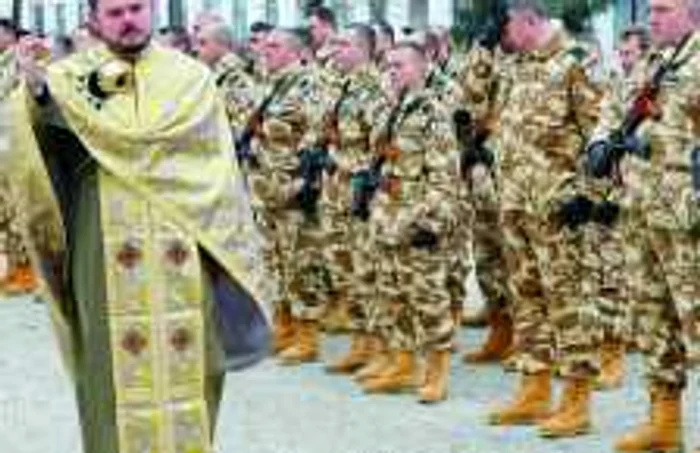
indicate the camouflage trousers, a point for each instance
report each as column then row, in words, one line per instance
column 362, row 290
column 338, row 224
column 489, row 258
column 644, row 285
column 294, row 257
column 279, row 232
column 552, row 321
column 460, row 260
column 670, row 295
column 294, row 246
column 605, row 280
column 412, row 309
column 311, row 284
column 13, row 241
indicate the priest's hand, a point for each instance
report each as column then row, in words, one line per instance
column 32, row 58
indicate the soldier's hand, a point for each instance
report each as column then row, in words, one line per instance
column 480, row 174
column 32, row 57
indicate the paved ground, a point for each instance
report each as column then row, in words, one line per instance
column 269, row 409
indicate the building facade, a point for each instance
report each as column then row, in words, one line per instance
column 62, row 16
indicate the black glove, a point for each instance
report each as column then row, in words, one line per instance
column 424, row 239
column 575, row 212
column 364, row 185
column 606, row 213
column 600, row 158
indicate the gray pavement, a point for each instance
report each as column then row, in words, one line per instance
column 269, row 409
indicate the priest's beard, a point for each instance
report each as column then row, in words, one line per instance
column 128, row 50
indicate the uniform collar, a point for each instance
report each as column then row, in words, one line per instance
column 555, row 45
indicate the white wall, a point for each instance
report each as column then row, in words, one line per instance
column 440, row 12
column 5, row 8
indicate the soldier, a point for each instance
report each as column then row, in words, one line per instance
column 450, row 94
column 412, row 221
column 214, row 46
column 550, row 105
column 176, row 37
column 253, row 49
column 440, row 81
column 611, row 243
column 205, row 19
column 323, row 26
column 657, row 134
column 385, row 40
column 349, row 100
column 281, row 123
column 479, row 81
column 19, row 276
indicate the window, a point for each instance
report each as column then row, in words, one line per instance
column 240, row 18
column 39, row 21
column 271, row 11
column 176, row 11
column 61, row 19
column 82, row 10
column 211, row 4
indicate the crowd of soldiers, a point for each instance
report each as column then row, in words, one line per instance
column 383, row 170
column 16, row 273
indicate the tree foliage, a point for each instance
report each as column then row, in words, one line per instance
column 470, row 15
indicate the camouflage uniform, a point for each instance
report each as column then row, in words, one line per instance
column 549, row 104
column 479, row 81
column 272, row 181
column 603, row 259
column 348, row 250
column 240, row 91
column 661, row 192
column 442, row 81
column 413, row 306
column 13, row 241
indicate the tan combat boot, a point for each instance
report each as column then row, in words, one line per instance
column 612, row 365
column 663, row 432
column 305, row 347
column 284, row 330
column 22, row 280
column 498, row 343
column 573, row 417
column 338, row 320
column 400, row 376
column 360, row 353
column 380, row 360
column 434, row 388
column 532, row 402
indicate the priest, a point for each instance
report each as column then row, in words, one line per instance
column 153, row 263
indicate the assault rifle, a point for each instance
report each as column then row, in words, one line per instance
column 604, row 156
column 366, row 182
column 695, row 208
column 315, row 161
column 471, row 139
column 244, row 151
